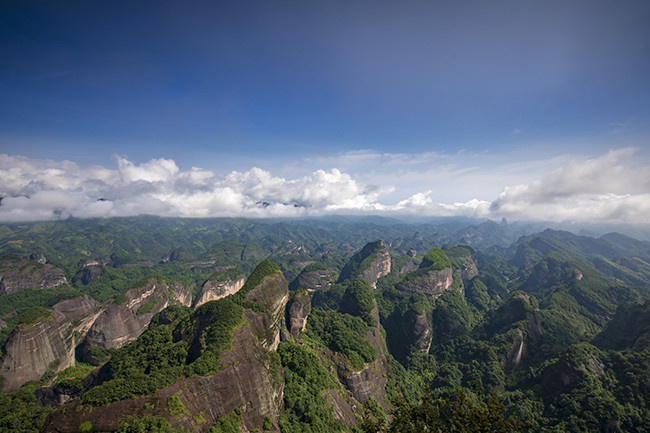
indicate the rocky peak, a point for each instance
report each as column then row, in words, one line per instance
column 369, row 264
column 47, row 344
column 220, row 287
column 129, row 315
column 434, row 277
column 19, row 274
column 298, row 310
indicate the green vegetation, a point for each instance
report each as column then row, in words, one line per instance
column 359, row 300
column 306, row 409
column 157, row 358
column 176, row 406
column 19, row 411
column 227, row 424
column 341, row 333
column 435, row 259
column 556, row 325
column 466, row 413
column 147, row 307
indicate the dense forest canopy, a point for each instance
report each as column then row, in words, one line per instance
column 476, row 326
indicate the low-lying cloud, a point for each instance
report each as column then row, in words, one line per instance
column 614, row 187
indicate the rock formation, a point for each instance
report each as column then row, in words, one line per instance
column 217, row 289
column 120, row 323
column 48, row 344
column 298, row 310
column 87, row 274
column 248, row 381
column 369, row 264
column 313, row 279
column 19, row 274
column 433, row 278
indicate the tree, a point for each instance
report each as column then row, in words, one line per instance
column 467, row 413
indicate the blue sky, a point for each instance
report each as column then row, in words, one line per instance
column 458, row 100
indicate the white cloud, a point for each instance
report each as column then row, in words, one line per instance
column 614, row 187
column 610, row 188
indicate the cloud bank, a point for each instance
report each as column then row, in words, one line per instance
column 614, row 188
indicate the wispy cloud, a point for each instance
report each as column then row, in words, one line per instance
column 614, row 187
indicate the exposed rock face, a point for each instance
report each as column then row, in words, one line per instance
column 120, row 323
column 298, row 310
column 516, row 354
column 213, row 290
column 273, row 294
column 314, row 280
column 372, row 379
column 19, row 274
column 467, row 267
column 428, row 281
column 87, row 274
column 417, row 329
column 47, row 344
column 369, row 264
column 3, row 324
column 247, row 382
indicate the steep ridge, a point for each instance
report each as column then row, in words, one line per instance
column 48, row 344
column 28, row 273
column 434, row 277
column 129, row 315
column 369, row 264
column 218, row 375
column 220, row 286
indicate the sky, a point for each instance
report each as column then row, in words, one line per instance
column 521, row 109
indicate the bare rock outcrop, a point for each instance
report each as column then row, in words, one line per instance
column 428, row 281
column 248, row 380
column 369, row 264
column 217, row 289
column 272, row 293
column 433, row 278
column 297, row 312
column 87, row 274
column 122, row 322
column 313, row 279
column 19, row 274
column 418, row 331
column 47, row 344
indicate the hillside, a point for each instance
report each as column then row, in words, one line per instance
column 230, row 324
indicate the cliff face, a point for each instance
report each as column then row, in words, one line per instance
column 297, row 312
column 369, row 264
column 48, row 344
column 372, row 379
column 428, row 281
column 248, row 380
column 213, row 290
column 314, row 280
column 120, row 323
column 19, row 274
column 272, row 294
column 418, row 331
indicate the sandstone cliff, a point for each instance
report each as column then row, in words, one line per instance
column 371, row 380
column 214, row 289
column 48, row 344
column 312, row 279
column 122, row 322
column 298, row 311
column 434, row 277
column 19, row 274
column 369, row 264
column 248, row 380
